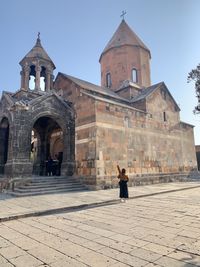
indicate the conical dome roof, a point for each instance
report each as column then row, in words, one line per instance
column 38, row 52
column 124, row 35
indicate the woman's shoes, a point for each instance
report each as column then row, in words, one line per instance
column 124, row 200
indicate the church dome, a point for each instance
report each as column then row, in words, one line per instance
column 124, row 35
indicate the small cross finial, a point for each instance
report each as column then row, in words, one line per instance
column 123, row 14
column 38, row 35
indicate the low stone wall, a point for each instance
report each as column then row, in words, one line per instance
column 146, row 179
column 11, row 183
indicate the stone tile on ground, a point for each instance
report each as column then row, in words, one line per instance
column 185, row 240
column 110, row 252
column 26, row 261
column 186, row 257
column 189, row 233
column 8, row 233
column 7, row 264
column 46, row 254
column 120, row 237
column 166, row 262
column 95, row 259
column 145, row 254
column 11, row 252
column 4, row 242
column 162, row 250
column 119, row 264
column 76, row 239
column 120, row 246
column 136, row 242
column 69, row 262
column 93, row 245
column 2, row 260
column 25, row 243
column 73, row 250
column 153, row 265
column 96, row 230
column 20, row 227
column 131, row 260
column 190, row 248
column 38, row 225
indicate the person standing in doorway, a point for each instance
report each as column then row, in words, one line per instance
column 49, row 166
column 123, row 180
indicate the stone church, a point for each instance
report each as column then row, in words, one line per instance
column 126, row 121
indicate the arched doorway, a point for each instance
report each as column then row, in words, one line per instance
column 47, row 141
column 4, row 137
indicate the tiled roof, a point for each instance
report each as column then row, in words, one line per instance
column 38, row 52
column 124, row 35
column 95, row 88
column 146, row 92
column 149, row 90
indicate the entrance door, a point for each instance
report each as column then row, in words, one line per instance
column 4, row 137
column 47, row 142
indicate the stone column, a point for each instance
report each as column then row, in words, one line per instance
column 26, row 77
column 47, row 81
column 22, row 79
column 51, row 81
column 68, row 163
column 37, row 78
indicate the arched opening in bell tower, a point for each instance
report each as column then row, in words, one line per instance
column 42, row 78
column 32, row 75
column 4, row 138
column 46, row 143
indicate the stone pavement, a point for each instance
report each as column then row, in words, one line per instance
column 15, row 208
column 159, row 226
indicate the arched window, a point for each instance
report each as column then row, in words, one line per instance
column 134, row 75
column 108, row 80
column 32, row 75
column 164, row 116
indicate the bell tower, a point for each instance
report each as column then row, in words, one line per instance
column 125, row 59
column 37, row 69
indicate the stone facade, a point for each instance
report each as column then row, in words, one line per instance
column 197, row 148
column 132, row 123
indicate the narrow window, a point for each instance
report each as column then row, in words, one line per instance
column 31, row 82
column 32, row 75
column 42, row 83
column 134, row 76
column 164, row 116
column 108, row 80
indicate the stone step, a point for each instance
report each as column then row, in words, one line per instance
column 47, row 185
column 28, row 189
column 45, row 192
column 39, row 186
column 44, row 183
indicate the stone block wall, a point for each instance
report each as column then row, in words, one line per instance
column 129, row 138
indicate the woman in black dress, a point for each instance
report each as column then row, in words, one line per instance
column 123, row 179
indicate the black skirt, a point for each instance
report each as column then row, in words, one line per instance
column 123, row 189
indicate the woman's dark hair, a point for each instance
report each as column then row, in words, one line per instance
column 123, row 171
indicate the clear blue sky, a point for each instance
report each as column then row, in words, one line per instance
column 74, row 33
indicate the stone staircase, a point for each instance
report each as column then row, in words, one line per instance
column 41, row 185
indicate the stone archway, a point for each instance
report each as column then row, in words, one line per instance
column 47, row 140
column 4, row 137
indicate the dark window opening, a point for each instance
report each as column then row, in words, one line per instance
column 108, row 80
column 164, row 116
column 134, row 75
column 32, row 76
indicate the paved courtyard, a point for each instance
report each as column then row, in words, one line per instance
column 157, row 230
